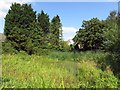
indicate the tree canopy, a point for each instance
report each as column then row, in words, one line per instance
column 90, row 36
column 26, row 31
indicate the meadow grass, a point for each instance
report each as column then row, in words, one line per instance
column 56, row 70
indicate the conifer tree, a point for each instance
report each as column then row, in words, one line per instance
column 19, row 26
column 55, row 31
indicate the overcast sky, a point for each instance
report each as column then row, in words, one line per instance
column 71, row 13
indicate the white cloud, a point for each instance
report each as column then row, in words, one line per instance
column 68, row 38
column 2, row 14
column 69, row 30
column 5, row 5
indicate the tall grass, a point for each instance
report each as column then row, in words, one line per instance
column 79, row 56
column 56, row 70
column 34, row 71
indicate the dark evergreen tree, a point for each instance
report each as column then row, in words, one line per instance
column 12, row 20
column 44, row 24
column 43, row 20
column 19, row 26
column 55, row 31
column 38, row 36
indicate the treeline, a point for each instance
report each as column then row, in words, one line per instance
column 96, row 34
column 25, row 30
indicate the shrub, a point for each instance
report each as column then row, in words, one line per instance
column 92, row 77
column 7, row 48
column 40, row 51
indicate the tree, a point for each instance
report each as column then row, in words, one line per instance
column 111, row 34
column 43, row 20
column 44, row 24
column 12, row 19
column 112, row 41
column 38, row 36
column 55, row 31
column 19, row 25
column 90, row 36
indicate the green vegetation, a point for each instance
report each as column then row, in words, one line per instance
column 90, row 36
column 27, row 31
column 29, row 71
column 34, row 54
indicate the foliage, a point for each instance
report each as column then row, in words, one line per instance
column 90, row 36
column 105, row 35
column 44, row 24
column 49, row 68
column 27, row 71
column 55, row 31
column 43, row 20
column 8, row 48
column 25, row 32
column 112, row 41
column 31, row 71
column 113, row 60
column 64, row 46
column 19, row 26
column 91, row 77
column 111, row 34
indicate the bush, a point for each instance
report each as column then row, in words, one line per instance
column 92, row 77
column 8, row 49
column 113, row 59
column 64, row 46
column 40, row 51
